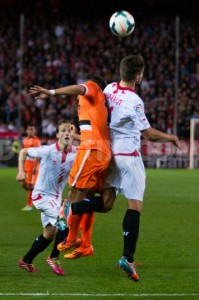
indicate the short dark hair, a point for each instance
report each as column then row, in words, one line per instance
column 62, row 122
column 97, row 79
column 131, row 66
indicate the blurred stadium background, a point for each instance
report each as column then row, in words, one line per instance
column 55, row 43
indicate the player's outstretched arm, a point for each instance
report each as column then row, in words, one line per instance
column 39, row 92
column 154, row 135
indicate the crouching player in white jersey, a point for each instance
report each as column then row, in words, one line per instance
column 56, row 161
column 126, row 172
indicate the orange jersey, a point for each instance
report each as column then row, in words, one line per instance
column 31, row 142
column 93, row 116
column 31, row 163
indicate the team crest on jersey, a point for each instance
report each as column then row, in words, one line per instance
column 139, row 109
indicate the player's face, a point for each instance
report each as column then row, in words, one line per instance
column 30, row 131
column 63, row 134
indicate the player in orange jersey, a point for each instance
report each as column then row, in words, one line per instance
column 94, row 154
column 31, row 165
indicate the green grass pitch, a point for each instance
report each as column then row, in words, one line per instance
column 168, row 245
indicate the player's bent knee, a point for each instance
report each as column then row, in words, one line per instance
column 109, row 196
column 107, row 207
column 135, row 205
column 49, row 232
column 108, row 204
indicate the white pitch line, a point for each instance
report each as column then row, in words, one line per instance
column 98, row 295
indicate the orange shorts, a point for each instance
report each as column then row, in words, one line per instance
column 30, row 177
column 89, row 170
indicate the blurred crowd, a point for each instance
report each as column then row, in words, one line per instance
column 62, row 51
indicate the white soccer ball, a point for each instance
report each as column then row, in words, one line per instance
column 122, row 23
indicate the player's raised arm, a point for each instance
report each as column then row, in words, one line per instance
column 39, row 92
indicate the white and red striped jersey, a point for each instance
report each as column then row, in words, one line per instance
column 55, row 166
column 127, row 118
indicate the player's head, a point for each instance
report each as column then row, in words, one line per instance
column 63, row 133
column 132, row 68
column 97, row 79
column 31, row 130
column 66, row 123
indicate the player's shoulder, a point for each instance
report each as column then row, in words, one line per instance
column 25, row 143
column 89, row 85
column 136, row 98
column 53, row 147
column 36, row 138
column 110, row 87
column 93, row 91
column 36, row 141
column 89, row 82
column 25, row 139
column 38, row 148
column 46, row 149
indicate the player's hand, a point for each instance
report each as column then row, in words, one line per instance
column 176, row 141
column 74, row 132
column 21, row 176
column 38, row 92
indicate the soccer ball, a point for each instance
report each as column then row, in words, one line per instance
column 122, row 23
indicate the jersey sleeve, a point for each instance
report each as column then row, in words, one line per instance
column 91, row 90
column 40, row 152
column 139, row 116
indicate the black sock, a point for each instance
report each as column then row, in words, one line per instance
column 60, row 236
column 93, row 204
column 39, row 245
column 131, row 223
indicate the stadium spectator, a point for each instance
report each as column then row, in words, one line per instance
column 57, row 47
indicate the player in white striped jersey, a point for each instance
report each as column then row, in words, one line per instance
column 56, row 161
column 126, row 173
